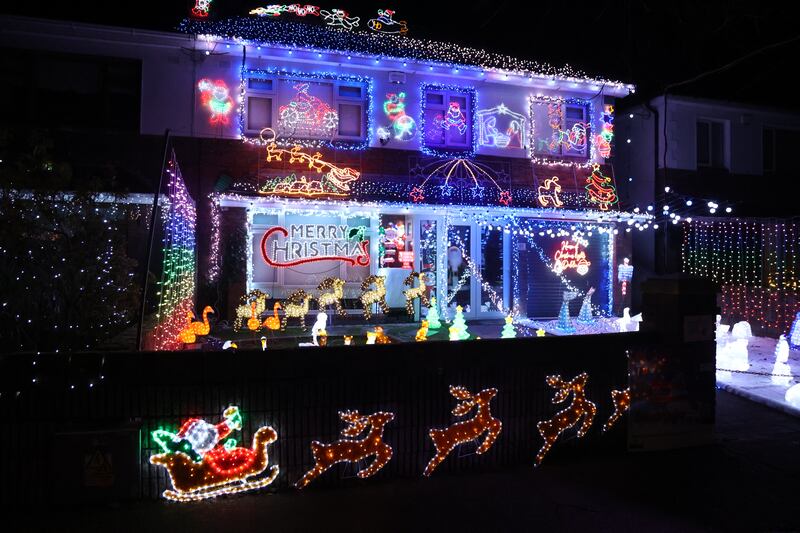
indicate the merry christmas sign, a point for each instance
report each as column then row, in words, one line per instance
column 308, row 243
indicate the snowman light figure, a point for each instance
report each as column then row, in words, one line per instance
column 318, row 328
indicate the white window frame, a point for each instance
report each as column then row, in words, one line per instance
column 725, row 145
column 337, row 99
column 447, row 94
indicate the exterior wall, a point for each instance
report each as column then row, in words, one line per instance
column 743, row 130
column 173, row 63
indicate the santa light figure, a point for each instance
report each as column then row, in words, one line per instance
column 624, row 275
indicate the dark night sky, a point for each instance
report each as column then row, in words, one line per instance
column 649, row 43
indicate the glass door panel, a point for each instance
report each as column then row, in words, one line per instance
column 459, row 282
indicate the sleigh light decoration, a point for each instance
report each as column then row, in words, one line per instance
column 326, row 180
column 200, row 466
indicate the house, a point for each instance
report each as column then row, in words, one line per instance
column 679, row 149
column 323, row 150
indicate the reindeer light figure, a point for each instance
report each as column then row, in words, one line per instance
column 569, row 416
column 444, row 440
column 296, row 306
column 351, row 449
column 412, row 293
column 548, row 193
column 333, row 296
column 376, row 295
column 622, row 402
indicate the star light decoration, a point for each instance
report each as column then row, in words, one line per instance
column 459, row 170
column 296, row 36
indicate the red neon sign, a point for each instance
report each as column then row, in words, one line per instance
column 570, row 255
column 362, row 259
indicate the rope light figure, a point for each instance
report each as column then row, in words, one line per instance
column 622, row 402
column 296, row 306
column 548, row 193
column 370, row 296
column 458, row 170
column 200, row 467
column 331, row 293
column 580, row 408
column 245, row 310
column 413, row 293
column 350, row 449
column 444, row 440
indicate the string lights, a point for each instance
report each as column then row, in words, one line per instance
column 291, row 35
column 579, row 145
column 453, row 117
column 177, row 285
column 331, row 293
column 371, row 296
column 351, row 449
column 580, row 408
column 296, row 306
column 306, row 121
column 754, row 261
column 444, row 440
column 414, row 293
column 622, row 402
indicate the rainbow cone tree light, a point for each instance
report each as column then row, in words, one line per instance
column 177, row 285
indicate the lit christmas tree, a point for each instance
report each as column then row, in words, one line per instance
column 508, row 330
column 599, row 190
column 564, row 322
column 433, row 317
column 585, row 315
column 460, row 323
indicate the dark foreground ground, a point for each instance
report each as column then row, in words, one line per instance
column 749, row 480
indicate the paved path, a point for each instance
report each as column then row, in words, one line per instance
column 746, row 481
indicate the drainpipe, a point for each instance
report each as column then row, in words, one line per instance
column 654, row 111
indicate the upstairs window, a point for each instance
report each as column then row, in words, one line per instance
column 306, row 108
column 447, row 114
column 711, row 144
column 561, row 129
column 778, row 148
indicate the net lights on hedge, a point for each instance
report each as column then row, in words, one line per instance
column 306, row 116
column 350, row 448
column 200, row 466
column 296, row 36
column 445, row 440
column 580, row 408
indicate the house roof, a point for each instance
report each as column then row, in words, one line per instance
column 304, row 36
